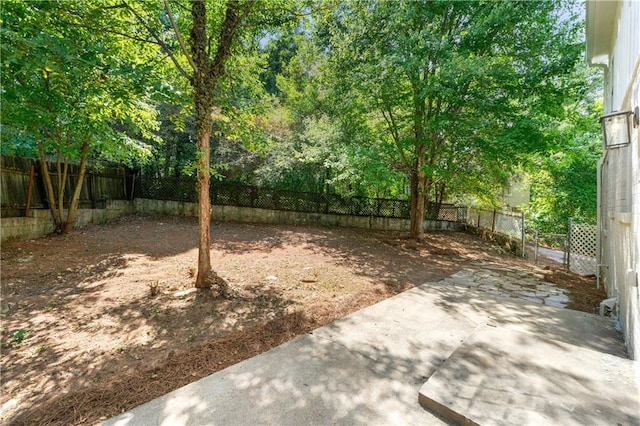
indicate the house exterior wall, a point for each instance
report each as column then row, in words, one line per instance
column 517, row 195
column 619, row 189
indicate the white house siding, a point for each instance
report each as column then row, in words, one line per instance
column 619, row 192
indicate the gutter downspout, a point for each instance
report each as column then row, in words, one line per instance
column 599, row 223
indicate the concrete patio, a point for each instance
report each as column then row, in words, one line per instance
column 440, row 353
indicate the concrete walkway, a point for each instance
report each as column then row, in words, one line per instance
column 555, row 255
column 446, row 352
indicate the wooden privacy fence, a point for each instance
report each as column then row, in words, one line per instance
column 22, row 185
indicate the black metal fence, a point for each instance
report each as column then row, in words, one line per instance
column 22, row 187
column 240, row 195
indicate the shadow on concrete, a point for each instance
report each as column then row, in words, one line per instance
column 503, row 376
column 568, row 326
column 369, row 368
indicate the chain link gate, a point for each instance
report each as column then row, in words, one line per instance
column 582, row 248
column 551, row 246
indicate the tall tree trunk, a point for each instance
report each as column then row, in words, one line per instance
column 440, row 194
column 204, row 203
column 73, row 205
column 418, row 188
column 206, row 74
column 418, row 175
column 203, row 83
column 61, row 183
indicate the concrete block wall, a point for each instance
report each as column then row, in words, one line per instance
column 40, row 223
column 165, row 207
column 256, row 215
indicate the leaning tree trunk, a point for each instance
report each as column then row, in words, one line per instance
column 56, row 214
column 75, row 199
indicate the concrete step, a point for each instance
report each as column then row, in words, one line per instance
column 502, row 375
column 530, row 364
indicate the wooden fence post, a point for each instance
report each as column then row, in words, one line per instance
column 524, row 237
column 89, row 179
column 32, row 172
column 133, row 186
column 124, row 181
column 569, row 246
column 493, row 224
column 41, row 184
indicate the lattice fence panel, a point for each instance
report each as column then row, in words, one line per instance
column 582, row 248
column 449, row 213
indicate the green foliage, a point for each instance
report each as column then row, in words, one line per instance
column 18, row 336
column 563, row 180
column 348, row 97
column 312, row 148
column 482, row 85
column 64, row 84
column 470, row 81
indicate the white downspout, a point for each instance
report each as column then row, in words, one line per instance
column 599, row 222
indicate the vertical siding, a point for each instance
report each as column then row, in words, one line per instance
column 625, row 52
column 620, row 185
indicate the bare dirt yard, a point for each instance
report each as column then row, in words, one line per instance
column 104, row 319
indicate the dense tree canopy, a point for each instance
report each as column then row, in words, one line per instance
column 426, row 100
column 563, row 178
column 461, row 90
column 71, row 93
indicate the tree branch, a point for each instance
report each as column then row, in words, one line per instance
column 80, row 22
column 183, row 47
column 387, row 113
column 129, row 36
column 160, row 42
column 232, row 20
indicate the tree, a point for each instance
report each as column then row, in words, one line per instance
column 320, row 142
column 71, row 94
column 563, row 179
column 215, row 29
column 459, row 86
